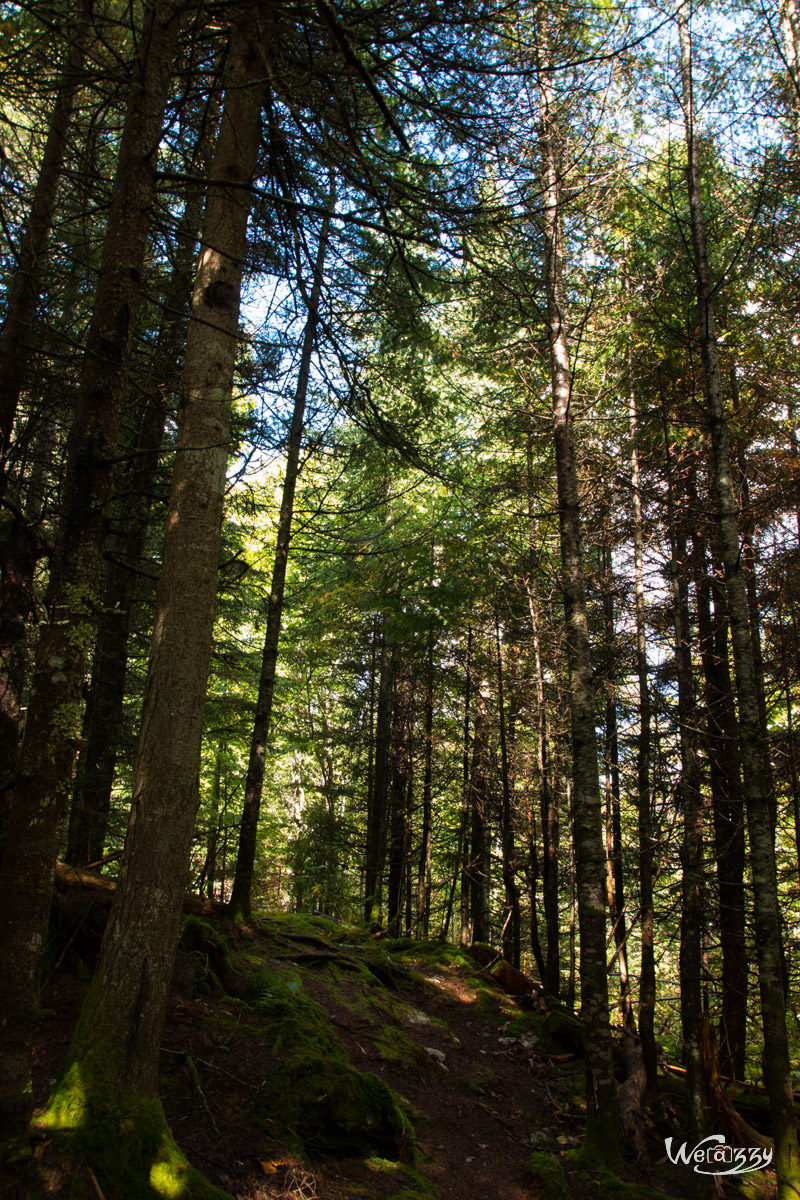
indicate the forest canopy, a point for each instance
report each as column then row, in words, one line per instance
column 400, row 517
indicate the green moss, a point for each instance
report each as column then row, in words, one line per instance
column 487, row 1004
column 130, row 1146
column 416, row 1186
column 610, row 1187
column 330, row 1107
column 395, row 1046
column 756, row 1186
column 546, row 1170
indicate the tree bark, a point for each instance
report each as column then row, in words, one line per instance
column 423, row 913
column 38, row 799
column 511, row 914
column 601, row 1113
column 647, row 976
column 728, row 810
column 375, row 852
column 758, row 801
column 91, row 800
column 688, row 789
column 400, row 774
column 110, row 1076
column 478, row 824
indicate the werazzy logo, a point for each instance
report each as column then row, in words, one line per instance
column 712, row 1156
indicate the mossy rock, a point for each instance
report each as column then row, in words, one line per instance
column 546, row 1170
column 332, row 1108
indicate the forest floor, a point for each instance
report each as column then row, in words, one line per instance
column 304, row 1060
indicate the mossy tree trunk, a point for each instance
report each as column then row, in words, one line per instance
column 53, row 727
column 758, row 800
column 110, row 1077
column 601, row 1113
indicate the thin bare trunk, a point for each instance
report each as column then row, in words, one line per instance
column 241, row 896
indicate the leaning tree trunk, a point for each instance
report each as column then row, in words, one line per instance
column 38, row 799
column 758, row 801
column 241, row 896
column 601, row 1112
column 107, row 1091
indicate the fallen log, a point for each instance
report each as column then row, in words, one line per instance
column 103, row 888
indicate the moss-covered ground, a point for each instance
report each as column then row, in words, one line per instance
column 307, row 1060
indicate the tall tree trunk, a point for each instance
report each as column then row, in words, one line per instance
column 109, row 1082
column 728, row 809
column 423, row 913
column 400, row 771
column 91, row 801
column 601, row 1110
column 758, row 800
column 464, row 846
column 511, row 915
column 241, row 895
column 479, row 824
column 647, row 976
column 53, row 724
column 548, row 800
column 690, row 802
column 375, row 852
column 615, row 873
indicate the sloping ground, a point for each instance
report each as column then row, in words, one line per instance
column 310, row 1061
